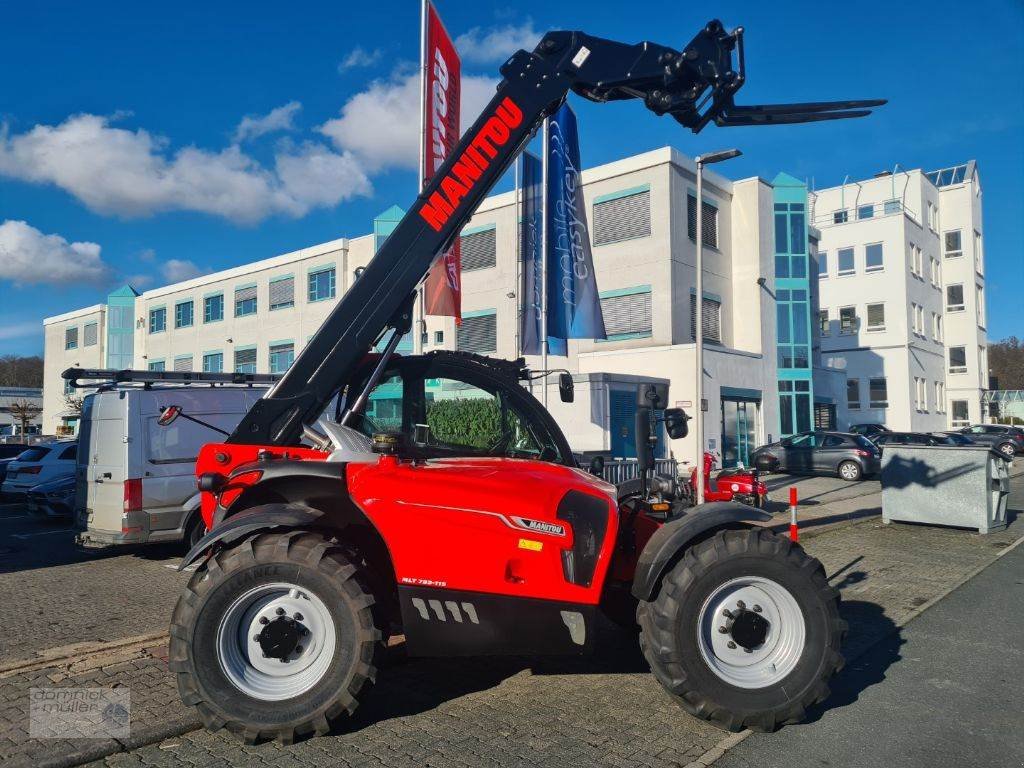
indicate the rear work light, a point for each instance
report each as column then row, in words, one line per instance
column 30, row 470
column 235, row 485
column 133, row 495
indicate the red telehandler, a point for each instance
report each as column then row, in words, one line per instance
column 332, row 528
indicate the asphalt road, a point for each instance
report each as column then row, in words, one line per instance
column 953, row 699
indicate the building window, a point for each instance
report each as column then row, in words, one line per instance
column 953, row 244
column 282, row 355
column 709, row 221
column 940, row 397
column 157, row 365
column 321, row 284
column 710, row 317
column 183, row 314
column 823, row 321
column 878, row 393
column 213, row 308
column 71, row 338
column 478, row 333
column 282, row 292
column 979, row 260
column 245, row 360
column 892, row 206
column 932, row 217
column 478, row 250
column 627, row 313
column 853, row 394
column 622, row 216
column 792, row 329
column 873, row 258
column 847, row 320
column 876, row 317
column 157, row 320
column 90, row 335
column 439, row 337
column 955, row 297
column 981, row 304
column 794, row 406
column 245, row 300
column 839, row 217
column 938, row 327
column 920, row 394
column 958, row 359
column 183, row 363
column 790, row 240
column 845, row 256
column 213, row 362
column 822, row 265
column 865, row 211
column 919, row 320
column 961, row 415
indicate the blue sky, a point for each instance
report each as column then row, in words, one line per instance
column 151, row 142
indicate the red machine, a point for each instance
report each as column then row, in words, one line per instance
column 737, row 484
column 441, row 501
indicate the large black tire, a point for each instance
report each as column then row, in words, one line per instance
column 296, row 557
column 669, row 630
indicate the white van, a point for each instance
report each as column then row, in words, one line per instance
column 135, row 478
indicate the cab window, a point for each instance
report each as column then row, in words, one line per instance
column 464, row 416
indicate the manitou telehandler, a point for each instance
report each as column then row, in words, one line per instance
column 331, row 528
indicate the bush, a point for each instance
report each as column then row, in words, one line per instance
column 473, row 422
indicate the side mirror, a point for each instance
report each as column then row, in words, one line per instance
column 644, row 446
column 566, row 390
column 676, row 423
column 168, row 414
column 596, row 466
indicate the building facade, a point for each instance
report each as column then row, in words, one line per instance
column 901, row 296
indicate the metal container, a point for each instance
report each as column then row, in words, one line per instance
column 963, row 486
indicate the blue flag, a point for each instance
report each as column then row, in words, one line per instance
column 574, row 306
column 532, row 252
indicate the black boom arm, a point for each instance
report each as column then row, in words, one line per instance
column 695, row 86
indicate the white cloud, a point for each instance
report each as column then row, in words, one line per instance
column 380, row 125
column 28, row 257
column 131, row 173
column 360, row 57
column 20, row 330
column 488, row 45
column 279, row 119
column 178, row 270
column 318, row 176
column 139, row 281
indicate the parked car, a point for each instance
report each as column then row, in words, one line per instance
column 55, row 498
column 869, row 429
column 8, row 453
column 39, row 464
column 136, row 478
column 954, row 438
column 1008, row 440
column 847, row 455
column 910, row 438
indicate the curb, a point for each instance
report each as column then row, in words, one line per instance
column 730, row 741
column 72, row 655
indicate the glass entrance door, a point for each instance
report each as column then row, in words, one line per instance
column 739, row 425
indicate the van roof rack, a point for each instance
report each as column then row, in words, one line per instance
column 92, row 378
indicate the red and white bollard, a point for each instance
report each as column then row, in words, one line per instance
column 794, row 531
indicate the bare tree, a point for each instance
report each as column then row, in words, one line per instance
column 24, row 411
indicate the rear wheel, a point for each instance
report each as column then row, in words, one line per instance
column 850, row 470
column 275, row 637
column 745, row 631
column 1007, row 449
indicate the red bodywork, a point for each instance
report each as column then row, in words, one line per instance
column 472, row 524
column 729, row 484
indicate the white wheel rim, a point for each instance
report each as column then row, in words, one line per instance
column 240, row 654
column 771, row 660
column 849, row 471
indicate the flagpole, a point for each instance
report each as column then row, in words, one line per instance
column 544, row 258
column 421, row 318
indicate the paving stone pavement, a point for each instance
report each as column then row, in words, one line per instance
column 604, row 710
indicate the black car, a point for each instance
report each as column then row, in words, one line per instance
column 847, row 455
column 954, row 438
column 911, row 438
column 8, row 453
column 55, row 498
column 1008, row 440
column 869, row 430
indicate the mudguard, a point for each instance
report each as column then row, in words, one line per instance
column 675, row 536
column 250, row 521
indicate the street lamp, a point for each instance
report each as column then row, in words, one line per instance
column 702, row 160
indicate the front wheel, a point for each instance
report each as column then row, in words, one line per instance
column 850, row 470
column 1007, row 450
column 275, row 637
column 744, row 631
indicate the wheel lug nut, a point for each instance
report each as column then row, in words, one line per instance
column 727, row 613
column 264, row 620
column 756, row 609
column 255, row 638
column 298, row 649
column 279, row 611
column 740, row 604
column 748, row 650
column 298, row 617
column 731, row 645
column 723, row 630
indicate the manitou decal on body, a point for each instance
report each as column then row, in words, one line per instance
column 438, row 607
column 539, row 526
column 474, row 160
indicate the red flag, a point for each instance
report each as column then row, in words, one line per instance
column 442, row 88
